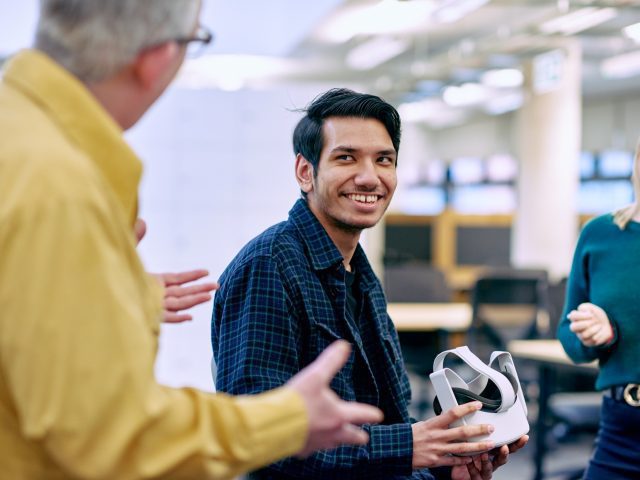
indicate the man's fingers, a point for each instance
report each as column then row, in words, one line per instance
column 486, row 467
column 331, row 360
column 456, row 413
column 352, row 435
column 139, row 229
column 501, row 457
column 175, row 304
column 170, row 317
column 467, row 448
column 452, row 461
column 177, row 291
column 183, row 277
column 518, row 444
column 360, row 413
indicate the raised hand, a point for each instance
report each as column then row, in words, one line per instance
column 332, row 421
column 591, row 325
column 179, row 297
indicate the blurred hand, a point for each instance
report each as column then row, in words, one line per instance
column 434, row 441
column 483, row 465
column 179, row 297
column 591, row 324
column 332, row 421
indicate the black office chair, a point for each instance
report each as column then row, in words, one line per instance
column 508, row 304
column 418, row 282
column 415, row 282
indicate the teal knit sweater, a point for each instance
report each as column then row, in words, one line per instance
column 606, row 272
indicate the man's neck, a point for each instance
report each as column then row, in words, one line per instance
column 345, row 240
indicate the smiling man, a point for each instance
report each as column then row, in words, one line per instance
column 306, row 282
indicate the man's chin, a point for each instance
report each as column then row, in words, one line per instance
column 357, row 226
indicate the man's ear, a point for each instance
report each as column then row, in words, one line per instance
column 154, row 64
column 304, row 173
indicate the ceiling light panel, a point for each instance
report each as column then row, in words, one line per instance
column 385, row 17
column 578, row 20
column 376, row 51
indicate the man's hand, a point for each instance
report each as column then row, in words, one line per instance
column 331, row 420
column 179, row 297
column 591, row 324
column 483, row 465
column 434, row 441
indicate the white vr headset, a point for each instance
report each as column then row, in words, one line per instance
column 496, row 386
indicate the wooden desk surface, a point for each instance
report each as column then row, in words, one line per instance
column 430, row 317
column 549, row 351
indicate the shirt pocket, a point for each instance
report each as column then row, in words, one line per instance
column 324, row 335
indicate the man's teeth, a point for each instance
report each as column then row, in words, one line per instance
column 364, row 198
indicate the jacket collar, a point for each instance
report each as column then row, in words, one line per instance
column 81, row 119
column 321, row 250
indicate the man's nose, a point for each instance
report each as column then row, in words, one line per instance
column 367, row 175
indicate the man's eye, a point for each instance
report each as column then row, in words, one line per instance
column 345, row 157
column 386, row 160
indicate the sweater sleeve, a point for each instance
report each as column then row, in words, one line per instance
column 578, row 287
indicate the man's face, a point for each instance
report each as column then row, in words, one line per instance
column 356, row 175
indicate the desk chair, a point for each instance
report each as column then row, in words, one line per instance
column 415, row 282
column 508, row 304
column 420, row 282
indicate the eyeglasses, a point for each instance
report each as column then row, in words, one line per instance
column 197, row 42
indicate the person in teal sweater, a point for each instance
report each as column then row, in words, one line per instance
column 601, row 321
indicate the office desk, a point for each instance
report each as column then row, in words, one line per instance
column 430, row 317
column 550, row 356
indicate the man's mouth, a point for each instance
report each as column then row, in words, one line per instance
column 363, row 198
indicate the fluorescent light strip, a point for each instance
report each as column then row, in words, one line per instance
column 578, row 20
column 374, row 52
column 622, row 66
column 457, row 9
column 633, row 32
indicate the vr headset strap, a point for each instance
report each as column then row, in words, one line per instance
column 485, row 373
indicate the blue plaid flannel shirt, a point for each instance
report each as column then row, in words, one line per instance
column 281, row 302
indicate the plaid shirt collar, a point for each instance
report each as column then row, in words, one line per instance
column 323, row 253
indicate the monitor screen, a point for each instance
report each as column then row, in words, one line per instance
column 587, row 164
column 502, row 168
column 483, row 245
column 601, row 196
column 484, row 199
column 407, row 242
column 435, row 172
column 465, row 170
column 421, row 200
column 615, row 163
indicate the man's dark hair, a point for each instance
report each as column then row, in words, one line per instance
column 341, row 102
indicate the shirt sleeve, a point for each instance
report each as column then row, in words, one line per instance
column 77, row 350
column 257, row 338
column 577, row 293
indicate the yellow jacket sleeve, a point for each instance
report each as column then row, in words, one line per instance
column 77, row 344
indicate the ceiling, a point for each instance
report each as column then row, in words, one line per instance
column 498, row 34
column 261, row 43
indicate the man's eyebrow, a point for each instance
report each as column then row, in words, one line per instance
column 348, row 149
column 387, row 152
column 344, row 148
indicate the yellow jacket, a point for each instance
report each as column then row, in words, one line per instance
column 79, row 315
